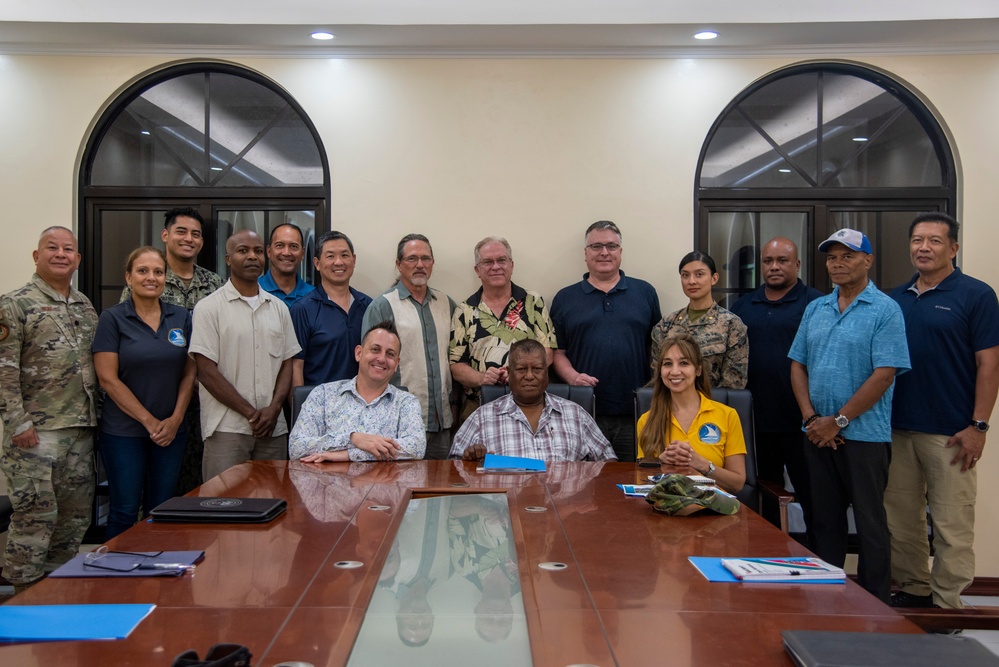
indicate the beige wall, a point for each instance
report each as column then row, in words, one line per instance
column 460, row 149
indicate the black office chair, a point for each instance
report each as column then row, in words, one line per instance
column 582, row 396
column 740, row 400
column 298, row 396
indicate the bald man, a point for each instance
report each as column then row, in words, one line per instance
column 771, row 314
column 47, row 402
column 243, row 342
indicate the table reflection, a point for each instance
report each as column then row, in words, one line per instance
column 449, row 586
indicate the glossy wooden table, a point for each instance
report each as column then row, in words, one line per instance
column 628, row 595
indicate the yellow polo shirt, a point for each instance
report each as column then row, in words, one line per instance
column 715, row 433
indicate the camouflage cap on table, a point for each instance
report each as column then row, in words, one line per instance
column 679, row 495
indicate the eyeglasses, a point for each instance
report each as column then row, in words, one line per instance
column 103, row 558
column 599, row 247
column 414, row 259
column 490, row 263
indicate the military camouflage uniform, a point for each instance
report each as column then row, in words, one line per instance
column 723, row 340
column 203, row 283
column 47, row 381
column 481, row 340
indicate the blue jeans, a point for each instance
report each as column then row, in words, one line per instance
column 140, row 473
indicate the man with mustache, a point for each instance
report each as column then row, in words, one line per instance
column 243, row 342
column 422, row 316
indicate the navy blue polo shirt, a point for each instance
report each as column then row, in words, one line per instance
column 944, row 327
column 771, row 327
column 328, row 335
column 150, row 363
column 607, row 335
column 302, row 288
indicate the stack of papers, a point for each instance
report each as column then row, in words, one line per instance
column 713, row 569
column 782, row 569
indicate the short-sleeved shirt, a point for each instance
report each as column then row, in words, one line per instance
column 606, row 335
column 566, row 432
column 301, row 288
column 249, row 347
column 715, row 433
column 185, row 295
column 424, row 334
column 841, row 351
column 150, row 363
column 47, row 378
column 722, row 338
column 482, row 340
column 945, row 327
column 328, row 335
column 771, row 326
column 335, row 410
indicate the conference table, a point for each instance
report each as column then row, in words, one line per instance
column 603, row 579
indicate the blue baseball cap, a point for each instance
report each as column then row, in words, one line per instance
column 851, row 238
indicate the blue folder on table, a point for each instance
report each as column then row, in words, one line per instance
column 496, row 463
column 714, row 571
column 69, row 622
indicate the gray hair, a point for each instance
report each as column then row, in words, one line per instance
column 493, row 239
column 601, row 225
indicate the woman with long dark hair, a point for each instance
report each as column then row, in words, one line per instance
column 684, row 427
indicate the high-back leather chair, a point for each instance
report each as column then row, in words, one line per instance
column 740, row 400
column 298, row 396
column 582, row 396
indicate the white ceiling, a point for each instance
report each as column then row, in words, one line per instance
column 499, row 27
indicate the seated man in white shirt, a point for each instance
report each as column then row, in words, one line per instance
column 529, row 421
column 365, row 418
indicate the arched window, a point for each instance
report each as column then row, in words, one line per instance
column 811, row 149
column 217, row 137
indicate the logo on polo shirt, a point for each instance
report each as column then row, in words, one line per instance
column 176, row 336
column 709, row 434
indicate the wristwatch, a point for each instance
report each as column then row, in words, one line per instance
column 711, row 469
column 841, row 420
column 980, row 425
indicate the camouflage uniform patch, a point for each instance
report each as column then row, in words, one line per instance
column 723, row 340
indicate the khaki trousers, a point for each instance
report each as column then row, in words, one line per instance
column 224, row 450
column 921, row 474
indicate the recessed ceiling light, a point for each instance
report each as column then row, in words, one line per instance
column 784, row 171
column 145, row 132
column 216, row 168
column 322, row 35
column 705, row 34
column 860, row 138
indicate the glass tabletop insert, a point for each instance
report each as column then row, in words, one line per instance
column 449, row 587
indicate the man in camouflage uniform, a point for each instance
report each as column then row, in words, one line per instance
column 186, row 285
column 487, row 323
column 186, row 282
column 47, row 383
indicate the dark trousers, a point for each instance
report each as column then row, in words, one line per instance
column 856, row 474
column 620, row 430
column 774, row 452
column 140, row 474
